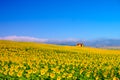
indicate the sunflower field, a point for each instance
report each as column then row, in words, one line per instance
column 38, row 61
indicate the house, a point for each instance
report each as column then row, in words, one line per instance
column 80, row 44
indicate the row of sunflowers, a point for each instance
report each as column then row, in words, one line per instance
column 37, row 61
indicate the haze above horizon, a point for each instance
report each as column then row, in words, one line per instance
column 60, row 19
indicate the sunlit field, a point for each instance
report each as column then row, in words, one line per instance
column 37, row 61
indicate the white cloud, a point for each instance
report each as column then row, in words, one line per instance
column 23, row 38
column 33, row 39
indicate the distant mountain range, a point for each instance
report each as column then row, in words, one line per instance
column 92, row 43
column 72, row 42
column 103, row 43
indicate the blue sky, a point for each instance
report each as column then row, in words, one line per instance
column 60, row 19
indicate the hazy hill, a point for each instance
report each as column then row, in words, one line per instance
column 93, row 43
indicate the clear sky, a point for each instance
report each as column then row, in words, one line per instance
column 60, row 19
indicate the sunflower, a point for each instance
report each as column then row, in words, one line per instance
column 52, row 75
